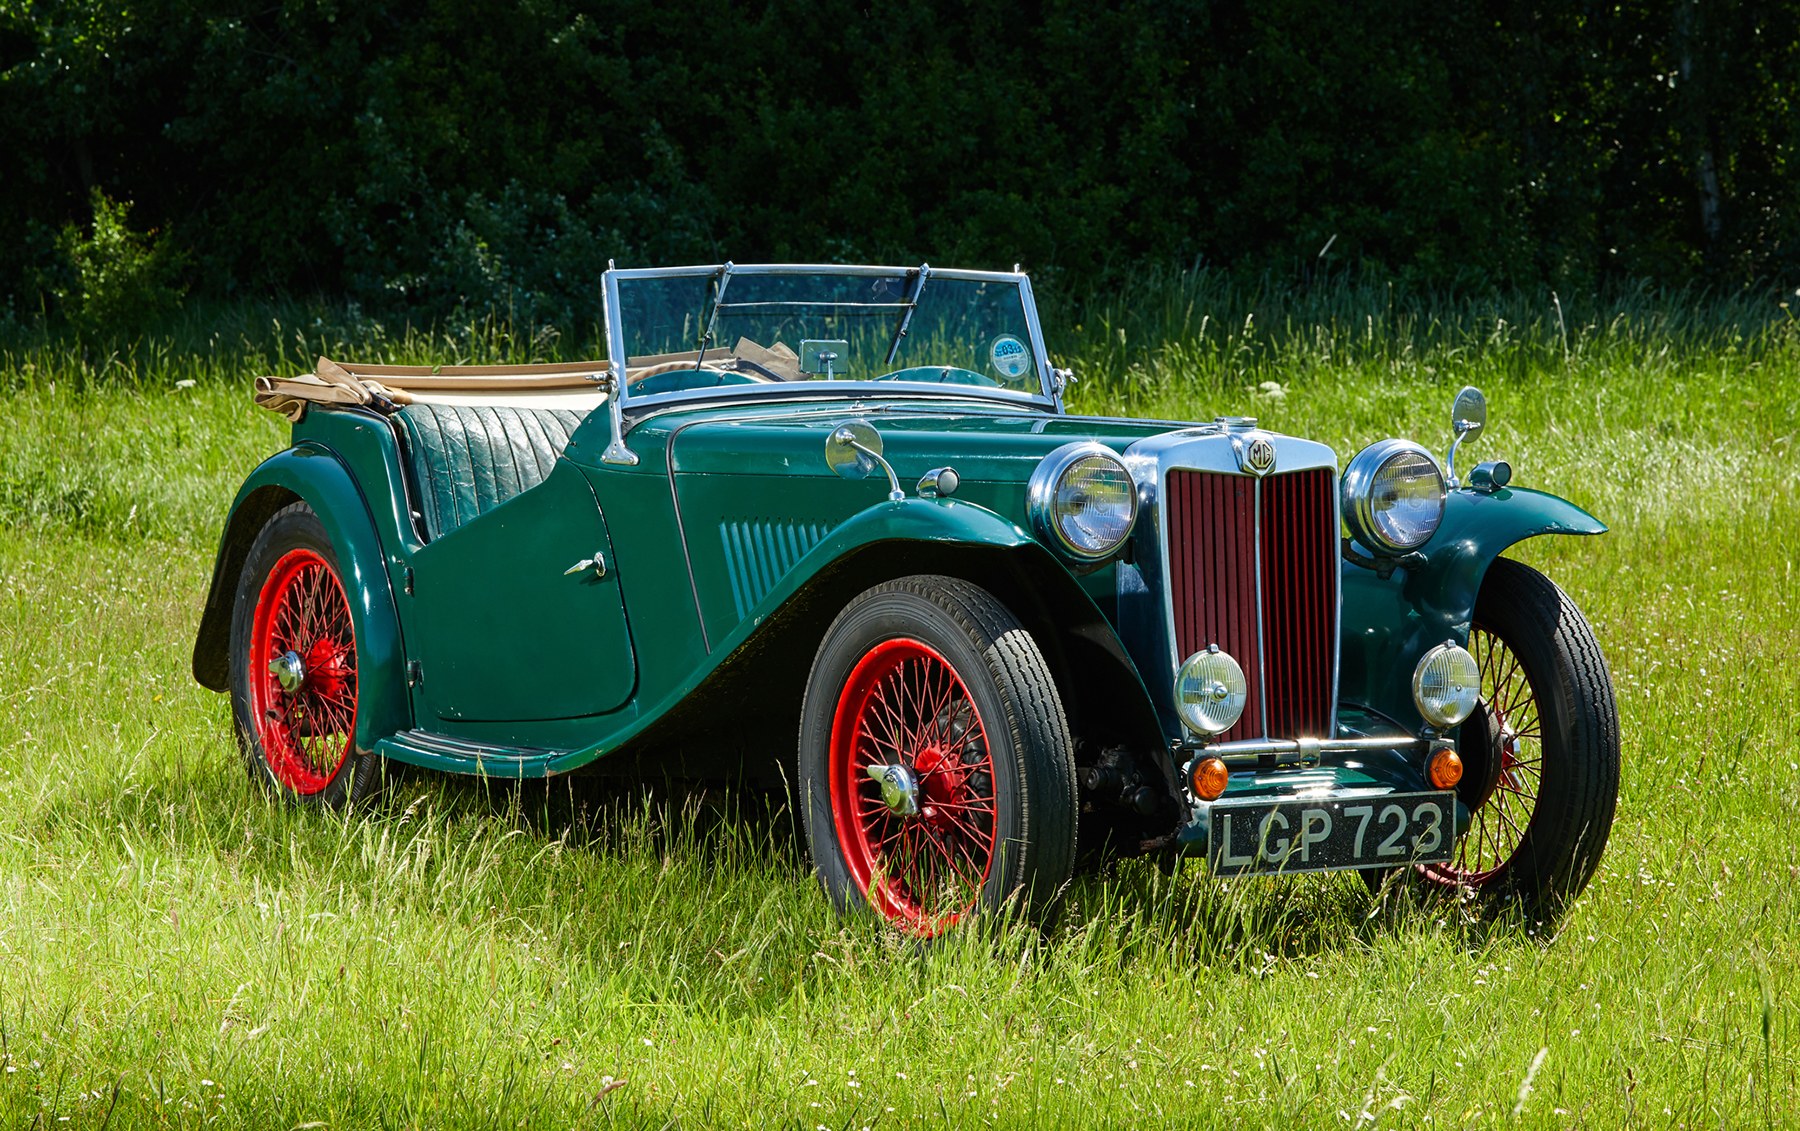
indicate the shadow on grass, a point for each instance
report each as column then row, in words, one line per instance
column 702, row 872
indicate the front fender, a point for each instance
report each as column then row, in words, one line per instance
column 315, row 475
column 1388, row 624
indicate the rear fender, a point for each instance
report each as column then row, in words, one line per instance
column 315, row 475
column 1389, row 624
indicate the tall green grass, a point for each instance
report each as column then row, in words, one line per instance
column 176, row 950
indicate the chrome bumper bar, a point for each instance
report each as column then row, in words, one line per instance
column 1304, row 751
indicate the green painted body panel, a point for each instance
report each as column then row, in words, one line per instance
column 756, row 496
column 946, row 521
column 1389, row 624
column 505, row 634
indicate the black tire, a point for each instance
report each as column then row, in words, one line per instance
column 1528, row 848
column 986, row 749
column 299, row 744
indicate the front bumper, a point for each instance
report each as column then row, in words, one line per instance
column 1352, row 767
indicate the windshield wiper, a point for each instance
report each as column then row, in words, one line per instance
column 912, row 304
column 722, row 282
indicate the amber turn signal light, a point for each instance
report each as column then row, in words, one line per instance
column 1208, row 777
column 1444, row 769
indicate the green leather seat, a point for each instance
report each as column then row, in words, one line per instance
column 468, row 459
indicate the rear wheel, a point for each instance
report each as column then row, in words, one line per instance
column 294, row 666
column 936, row 766
column 1540, row 752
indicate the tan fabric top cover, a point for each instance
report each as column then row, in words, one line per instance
column 387, row 387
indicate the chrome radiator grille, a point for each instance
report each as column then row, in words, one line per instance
column 1253, row 568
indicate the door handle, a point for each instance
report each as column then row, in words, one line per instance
column 595, row 563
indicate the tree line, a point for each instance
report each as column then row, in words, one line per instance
column 426, row 155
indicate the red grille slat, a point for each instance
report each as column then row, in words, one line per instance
column 1213, row 589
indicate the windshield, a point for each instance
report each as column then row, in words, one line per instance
column 703, row 329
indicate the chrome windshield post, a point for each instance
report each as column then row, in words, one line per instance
column 616, row 452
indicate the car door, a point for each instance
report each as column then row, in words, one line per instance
column 507, row 627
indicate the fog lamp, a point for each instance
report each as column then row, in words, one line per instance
column 1446, row 685
column 1210, row 692
column 1208, row 778
column 1444, row 768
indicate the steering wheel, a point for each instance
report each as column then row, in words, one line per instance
column 687, row 366
column 939, row 375
column 731, row 375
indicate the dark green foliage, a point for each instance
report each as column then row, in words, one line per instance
column 110, row 278
column 424, row 156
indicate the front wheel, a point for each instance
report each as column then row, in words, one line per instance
column 294, row 666
column 936, row 767
column 1540, row 752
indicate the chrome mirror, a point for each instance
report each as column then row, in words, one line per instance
column 821, row 357
column 845, row 449
column 1468, row 414
column 853, row 449
column 1468, row 419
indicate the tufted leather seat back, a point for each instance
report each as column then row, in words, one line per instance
column 468, row 459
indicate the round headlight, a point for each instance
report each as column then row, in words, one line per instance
column 1446, row 685
column 1393, row 496
column 1210, row 692
column 1083, row 500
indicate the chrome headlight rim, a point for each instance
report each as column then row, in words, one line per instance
column 1457, row 713
column 1357, row 500
column 1040, row 500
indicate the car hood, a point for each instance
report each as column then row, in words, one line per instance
column 982, row 443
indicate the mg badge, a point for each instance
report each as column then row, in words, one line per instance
column 1257, row 456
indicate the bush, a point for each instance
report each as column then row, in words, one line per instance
column 115, row 280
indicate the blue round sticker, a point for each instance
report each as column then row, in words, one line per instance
column 1009, row 355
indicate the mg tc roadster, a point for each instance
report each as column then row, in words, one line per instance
column 832, row 525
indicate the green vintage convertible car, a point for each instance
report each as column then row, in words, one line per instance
column 832, row 526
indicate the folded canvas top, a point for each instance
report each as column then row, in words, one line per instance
column 386, row 388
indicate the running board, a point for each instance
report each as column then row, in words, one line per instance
column 460, row 755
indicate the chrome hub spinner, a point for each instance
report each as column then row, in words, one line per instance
column 899, row 788
column 288, row 671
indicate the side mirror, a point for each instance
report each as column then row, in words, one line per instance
column 1468, row 419
column 853, row 449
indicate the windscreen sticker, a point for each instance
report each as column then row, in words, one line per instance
column 1009, row 355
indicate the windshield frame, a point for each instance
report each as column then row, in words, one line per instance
column 1048, row 394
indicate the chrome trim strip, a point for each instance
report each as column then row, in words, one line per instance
column 616, row 452
column 1046, row 381
column 1311, row 747
column 842, row 390
column 1287, row 746
column 687, row 555
column 1262, row 648
column 828, row 404
column 1335, row 571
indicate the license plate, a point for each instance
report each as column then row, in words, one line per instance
column 1316, row 836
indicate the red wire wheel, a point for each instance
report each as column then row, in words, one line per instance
column 1508, row 733
column 301, row 628
column 1540, row 752
column 912, row 786
column 936, row 767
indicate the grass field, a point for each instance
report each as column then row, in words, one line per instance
column 175, row 950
